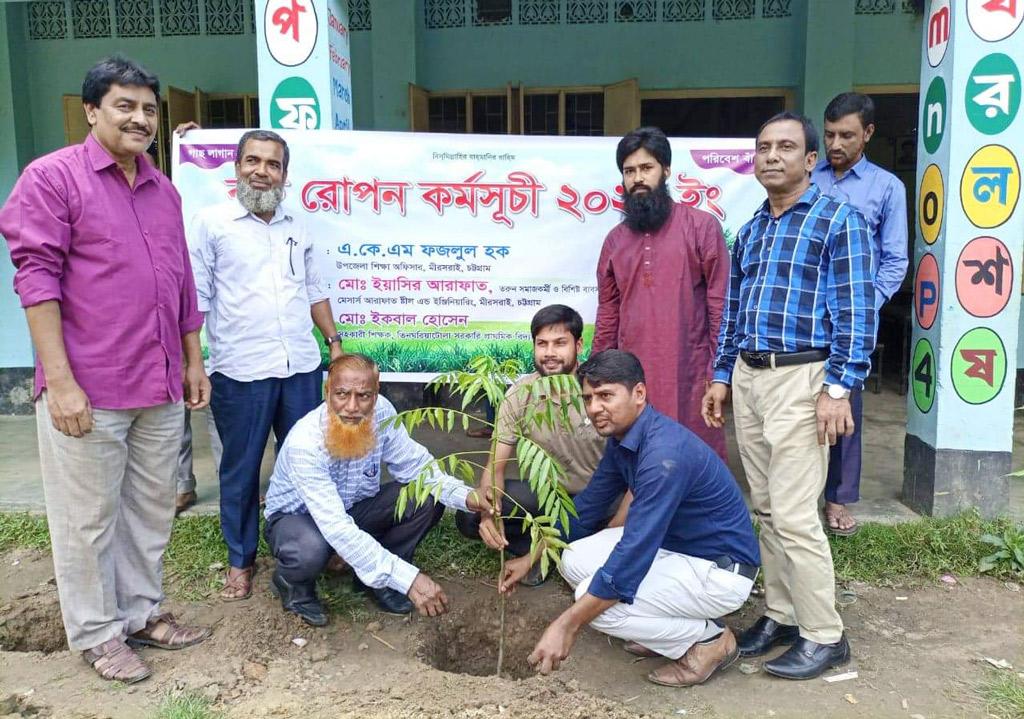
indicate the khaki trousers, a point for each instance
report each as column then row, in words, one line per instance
column 110, row 504
column 776, row 429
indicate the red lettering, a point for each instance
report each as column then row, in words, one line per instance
column 596, row 202
column 938, row 27
column 570, row 202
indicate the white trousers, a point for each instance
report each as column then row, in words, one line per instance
column 110, row 505
column 673, row 602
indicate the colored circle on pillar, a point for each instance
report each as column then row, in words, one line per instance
column 979, row 366
column 933, row 114
column 990, row 186
column 984, row 277
column 939, row 28
column 926, row 291
column 922, row 375
column 930, row 204
column 290, row 28
column 994, row 20
column 992, row 97
column 294, row 106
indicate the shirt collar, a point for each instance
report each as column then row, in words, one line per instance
column 279, row 213
column 635, row 433
column 858, row 169
column 810, row 196
column 100, row 159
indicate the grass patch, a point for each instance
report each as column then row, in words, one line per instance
column 445, row 552
column 21, row 529
column 186, row 706
column 1003, row 694
column 922, row 548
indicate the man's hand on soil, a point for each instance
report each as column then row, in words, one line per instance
column 427, row 596
column 554, row 646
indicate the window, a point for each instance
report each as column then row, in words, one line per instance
column 584, row 113
column 710, row 116
column 492, row 12
column 490, row 114
column 447, row 114
column 540, row 113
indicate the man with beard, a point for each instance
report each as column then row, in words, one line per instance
column 686, row 555
column 102, row 270
column 260, row 288
column 326, row 496
column 847, row 175
column 557, row 341
column 797, row 336
column 662, row 278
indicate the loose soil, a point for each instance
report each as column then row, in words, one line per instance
column 918, row 650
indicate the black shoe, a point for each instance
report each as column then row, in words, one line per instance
column 807, row 659
column 299, row 599
column 387, row 600
column 765, row 634
column 533, row 578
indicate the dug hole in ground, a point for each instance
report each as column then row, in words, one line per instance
column 918, row 652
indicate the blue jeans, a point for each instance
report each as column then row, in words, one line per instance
column 245, row 412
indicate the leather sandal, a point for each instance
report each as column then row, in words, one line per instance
column 114, row 660
column 239, row 586
column 164, row 632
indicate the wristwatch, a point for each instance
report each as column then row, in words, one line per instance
column 837, row 391
column 333, row 338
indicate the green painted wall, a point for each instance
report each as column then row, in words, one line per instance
column 818, row 51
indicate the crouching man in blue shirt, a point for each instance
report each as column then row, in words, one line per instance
column 686, row 555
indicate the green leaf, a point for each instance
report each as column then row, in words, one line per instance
column 993, row 539
column 544, row 564
column 403, row 501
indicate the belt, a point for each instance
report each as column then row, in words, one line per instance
column 764, row 360
column 744, row 570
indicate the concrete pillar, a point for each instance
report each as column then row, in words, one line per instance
column 828, row 55
column 393, row 60
column 15, row 152
column 303, row 60
column 969, row 244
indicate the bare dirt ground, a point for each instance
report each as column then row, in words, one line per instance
column 916, row 647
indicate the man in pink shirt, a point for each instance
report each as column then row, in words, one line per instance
column 102, row 270
column 662, row 279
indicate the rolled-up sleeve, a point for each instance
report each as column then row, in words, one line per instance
column 36, row 223
column 315, row 288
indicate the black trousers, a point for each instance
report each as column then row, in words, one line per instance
column 302, row 552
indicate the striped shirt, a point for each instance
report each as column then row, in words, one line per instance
column 802, row 281
column 307, row 480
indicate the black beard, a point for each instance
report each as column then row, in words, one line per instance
column 647, row 211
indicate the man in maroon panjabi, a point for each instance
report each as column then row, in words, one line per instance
column 662, row 279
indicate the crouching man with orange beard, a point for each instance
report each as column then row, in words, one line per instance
column 325, row 496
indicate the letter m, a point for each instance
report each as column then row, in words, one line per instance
column 938, row 27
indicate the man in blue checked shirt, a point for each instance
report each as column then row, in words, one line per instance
column 326, row 496
column 796, row 339
column 847, row 176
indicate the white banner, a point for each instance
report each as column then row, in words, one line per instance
column 441, row 247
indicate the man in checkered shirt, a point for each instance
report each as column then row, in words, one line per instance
column 326, row 496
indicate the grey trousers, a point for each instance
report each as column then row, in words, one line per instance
column 186, row 477
column 110, row 504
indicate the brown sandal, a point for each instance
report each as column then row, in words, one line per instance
column 238, row 587
column 114, row 660
column 164, row 632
